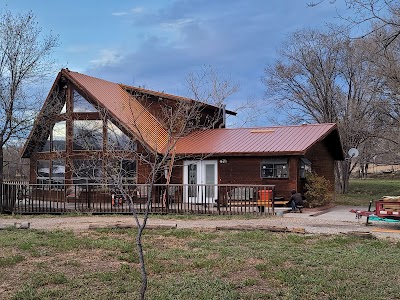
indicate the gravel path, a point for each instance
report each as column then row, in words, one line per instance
column 337, row 220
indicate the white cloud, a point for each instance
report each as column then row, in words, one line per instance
column 107, row 57
column 118, row 14
column 176, row 24
column 137, row 10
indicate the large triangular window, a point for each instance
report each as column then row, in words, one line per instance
column 81, row 104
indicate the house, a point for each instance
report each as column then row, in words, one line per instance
column 72, row 139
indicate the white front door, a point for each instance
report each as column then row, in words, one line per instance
column 200, row 179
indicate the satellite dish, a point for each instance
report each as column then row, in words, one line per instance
column 353, row 152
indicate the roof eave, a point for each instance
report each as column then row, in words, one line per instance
column 246, row 154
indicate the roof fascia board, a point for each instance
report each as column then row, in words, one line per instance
column 244, row 154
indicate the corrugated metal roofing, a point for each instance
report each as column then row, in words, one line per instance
column 123, row 107
column 267, row 140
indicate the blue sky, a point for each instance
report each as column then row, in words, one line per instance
column 157, row 43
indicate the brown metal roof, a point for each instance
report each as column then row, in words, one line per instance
column 123, row 107
column 278, row 140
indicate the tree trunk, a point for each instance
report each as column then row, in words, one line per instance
column 1, row 163
column 342, row 175
column 142, row 263
column 1, row 176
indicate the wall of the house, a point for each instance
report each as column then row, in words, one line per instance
column 157, row 108
column 323, row 163
column 69, row 154
column 247, row 170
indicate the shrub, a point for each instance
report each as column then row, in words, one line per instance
column 317, row 190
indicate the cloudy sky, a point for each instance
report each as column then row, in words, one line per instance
column 155, row 44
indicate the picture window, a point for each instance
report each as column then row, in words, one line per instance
column 274, row 168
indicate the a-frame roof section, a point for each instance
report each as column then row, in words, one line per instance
column 123, row 107
column 277, row 140
column 119, row 104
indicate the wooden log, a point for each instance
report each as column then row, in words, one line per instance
column 261, row 227
column 166, row 227
column 298, row 230
column 247, row 227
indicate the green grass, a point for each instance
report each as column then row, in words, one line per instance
column 362, row 191
column 192, row 264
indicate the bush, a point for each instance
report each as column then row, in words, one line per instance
column 317, row 190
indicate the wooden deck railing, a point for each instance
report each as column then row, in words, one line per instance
column 24, row 198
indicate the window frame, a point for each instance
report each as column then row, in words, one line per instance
column 51, row 181
column 86, row 107
column 49, row 145
column 277, row 166
column 87, row 146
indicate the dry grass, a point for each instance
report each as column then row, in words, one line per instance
column 194, row 264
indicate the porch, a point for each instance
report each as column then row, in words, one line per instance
column 25, row 198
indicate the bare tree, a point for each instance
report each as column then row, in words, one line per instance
column 24, row 59
column 15, row 167
column 372, row 16
column 206, row 84
column 131, row 143
column 326, row 77
column 179, row 120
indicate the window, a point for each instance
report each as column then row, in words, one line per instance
column 64, row 109
column 87, row 171
column 58, row 171
column 59, row 134
column 88, row 135
column 274, row 168
column 56, row 139
column 117, row 140
column 43, row 171
column 304, row 167
column 81, row 104
column 51, row 174
column 123, row 170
